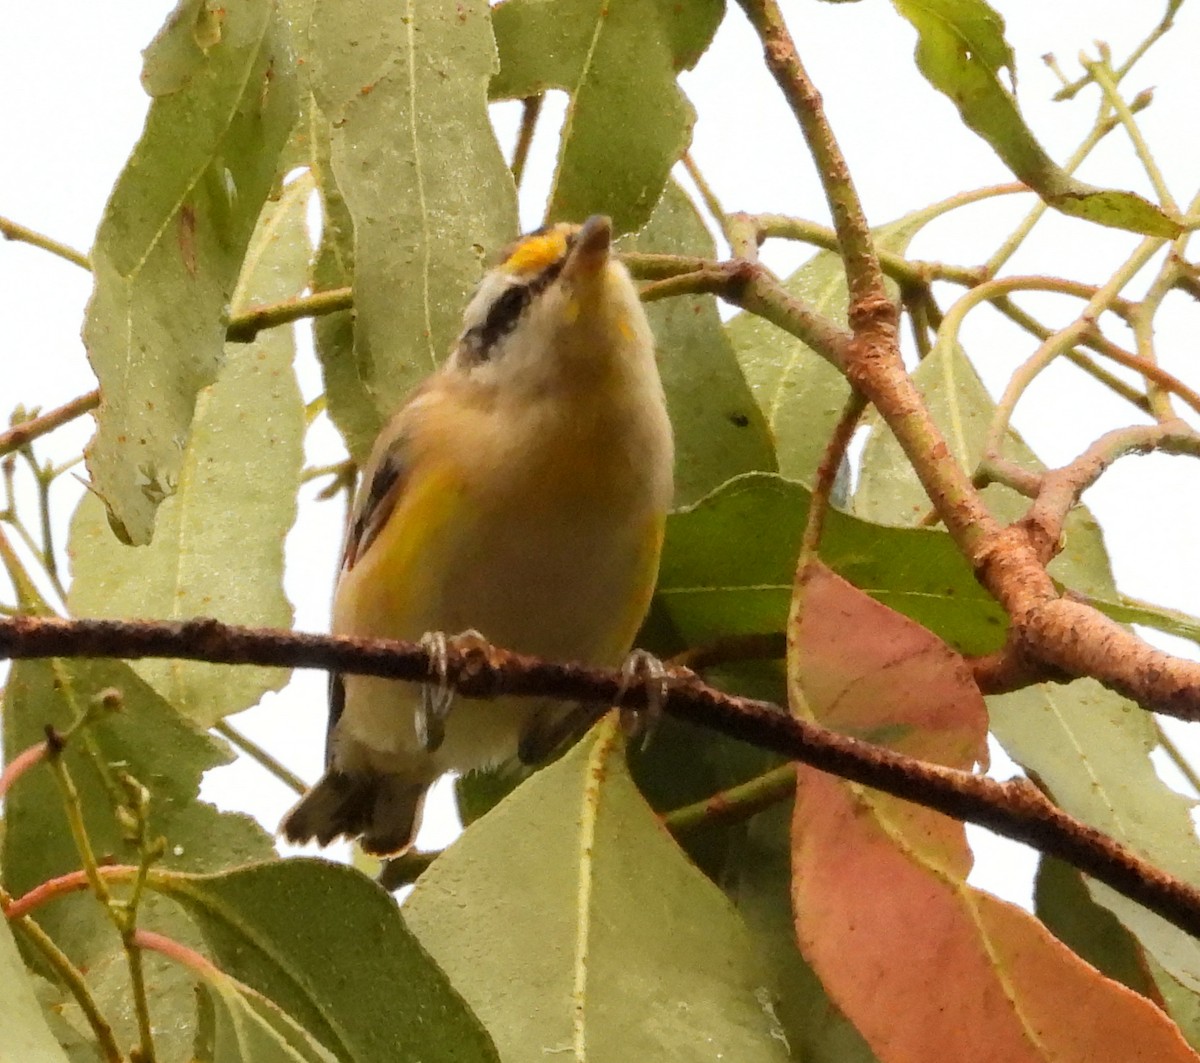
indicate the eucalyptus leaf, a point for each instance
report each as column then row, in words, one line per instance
column 710, row 585
column 25, row 1036
column 568, row 905
column 1090, row 748
column 800, row 394
column 329, row 948
column 246, row 1026
column 417, row 165
column 171, row 242
column 719, row 430
column 890, row 492
column 146, row 738
column 962, row 52
column 218, row 548
column 627, row 120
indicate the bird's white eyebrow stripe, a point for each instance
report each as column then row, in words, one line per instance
column 506, row 311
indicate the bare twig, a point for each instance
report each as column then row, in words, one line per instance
column 242, row 328
column 27, row 431
column 1061, row 488
column 736, row 804
column 531, row 107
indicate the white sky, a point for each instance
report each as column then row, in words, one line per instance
column 74, row 107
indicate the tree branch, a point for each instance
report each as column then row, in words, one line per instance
column 242, row 328
column 1015, row 809
column 31, row 429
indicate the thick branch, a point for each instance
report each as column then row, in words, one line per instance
column 1015, row 809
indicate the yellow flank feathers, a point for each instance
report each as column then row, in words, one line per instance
column 535, row 253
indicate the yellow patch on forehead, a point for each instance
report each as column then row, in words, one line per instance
column 535, row 253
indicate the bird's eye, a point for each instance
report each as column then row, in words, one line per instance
column 504, row 312
column 502, row 317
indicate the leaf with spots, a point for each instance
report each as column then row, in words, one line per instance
column 627, row 121
column 420, row 175
column 172, row 239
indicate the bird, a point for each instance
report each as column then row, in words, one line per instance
column 520, row 496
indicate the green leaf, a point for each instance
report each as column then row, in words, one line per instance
column 1090, row 748
column 239, row 1025
column 1158, row 617
column 146, row 738
column 1063, row 904
column 336, row 957
column 627, row 121
column 170, row 992
column 719, row 430
column 171, row 242
column 167, row 754
column 760, row 886
column 218, row 545
column 24, row 1035
column 961, row 50
column 800, row 393
column 570, row 907
column 349, row 399
column 711, row 585
column 417, row 164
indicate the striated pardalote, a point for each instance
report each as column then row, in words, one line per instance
column 521, row 493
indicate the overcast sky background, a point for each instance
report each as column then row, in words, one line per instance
column 73, row 108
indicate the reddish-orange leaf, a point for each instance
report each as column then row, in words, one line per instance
column 925, row 966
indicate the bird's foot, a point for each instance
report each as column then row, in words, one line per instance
column 437, row 696
column 646, row 670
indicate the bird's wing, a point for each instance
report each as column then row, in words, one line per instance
column 384, row 480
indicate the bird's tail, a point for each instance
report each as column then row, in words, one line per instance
column 383, row 811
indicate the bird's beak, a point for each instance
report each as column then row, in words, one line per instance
column 590, row 251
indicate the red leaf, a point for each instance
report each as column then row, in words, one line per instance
column 925, row 966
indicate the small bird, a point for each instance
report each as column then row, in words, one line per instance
column 520, row 494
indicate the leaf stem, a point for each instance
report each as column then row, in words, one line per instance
column 827, row 471
column 1065, row 338
column 1103, row 75
column 1164, row 24
column 711, row 202
column 1177, row 758
column 70, row 977
column 736, row 804
column 256, row 752
column 1103, row 125
column 531, row 107
column 242, row 328
column 12, row 230
column 74, row 811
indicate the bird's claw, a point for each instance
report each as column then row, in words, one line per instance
column 437, row 696
column 642, row 668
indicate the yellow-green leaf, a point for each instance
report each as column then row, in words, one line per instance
column 170, row 245
column 218, row 548
column 570, row 906
column 336, row 957
column 24, row 1035
column 719, row 429
column 961, row 50
column 418, row 167
column 627, row 120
